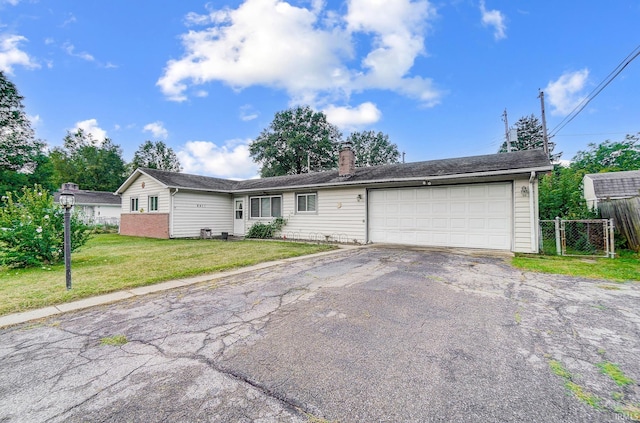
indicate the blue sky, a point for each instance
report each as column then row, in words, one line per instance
column 207, row 77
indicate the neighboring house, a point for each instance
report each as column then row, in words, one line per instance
column 96, row 207
column 486, row 201
column 610, row 186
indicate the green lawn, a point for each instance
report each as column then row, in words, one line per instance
column 110, row 262
column 621, row 269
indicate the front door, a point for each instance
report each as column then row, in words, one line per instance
column 238, row 217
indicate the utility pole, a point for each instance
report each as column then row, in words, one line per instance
column 544, row 124
column 403, row 157
column 506, row 130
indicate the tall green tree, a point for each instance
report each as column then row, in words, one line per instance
column 373, row 148
column 298, row 140
column 40, row 173
column 156, row 155
column 92, row 164
column 610, row 156
column 530, row 136
column 20, row 152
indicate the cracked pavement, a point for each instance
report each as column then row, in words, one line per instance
column 371, row 334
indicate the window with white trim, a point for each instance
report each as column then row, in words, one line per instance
column 153, row 203
column 134, row 204
column 267, row 206
column 306, row 203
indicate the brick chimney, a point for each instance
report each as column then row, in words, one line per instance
column 70, row 186
column 346, row 161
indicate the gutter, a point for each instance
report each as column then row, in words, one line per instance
column 171, row 212
column 394, row 180
column 533, row 219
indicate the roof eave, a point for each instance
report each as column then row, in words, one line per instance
column 399, row 180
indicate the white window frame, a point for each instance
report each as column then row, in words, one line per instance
column 306, row 203
column 261, row 214
column 149, row 200
column 137, row 204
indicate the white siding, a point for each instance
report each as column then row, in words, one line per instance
column 193, row 211
column 107, row 212
column 151, row 188
column 589, row 192
column 340, row 216
column 523, row 221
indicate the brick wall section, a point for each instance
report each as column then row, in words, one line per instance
column 150, row 225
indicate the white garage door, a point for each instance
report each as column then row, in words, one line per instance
column 470, row 216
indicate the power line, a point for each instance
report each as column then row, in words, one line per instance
column 580, row 107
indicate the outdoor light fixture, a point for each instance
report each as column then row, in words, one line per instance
column 67, row 200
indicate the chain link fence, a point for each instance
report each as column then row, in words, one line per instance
column 592, row 237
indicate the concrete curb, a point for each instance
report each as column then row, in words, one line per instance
column 27, row 316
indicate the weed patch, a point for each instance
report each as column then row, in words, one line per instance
column 615, row 373
column 114, row 340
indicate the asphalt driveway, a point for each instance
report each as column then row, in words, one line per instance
column 367, row 335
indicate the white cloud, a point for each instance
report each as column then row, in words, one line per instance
column 496, row 19
column 90, row 126
column 308, row 52
column 248, row 113
column 71, row 19
column 11, row 2
column 564, row 93
column 352, row 118
column 157, row 129
column 35, row 120
column 232, row 160
column 11, row 55
column 70, row 49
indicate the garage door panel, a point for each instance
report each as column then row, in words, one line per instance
column 440, row 223
column 458, row 224
column 407, row 223
column 477, row 207
column 423, row 223
column 440, row 208
column 478, row 215
column 405, row 209
column 440, row 193
column 477, row 223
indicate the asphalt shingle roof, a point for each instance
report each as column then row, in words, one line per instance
column 92, row 197
column 185, row 180
column 458, row 167
column 616, row 184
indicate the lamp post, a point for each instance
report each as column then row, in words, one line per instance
column 67, row 200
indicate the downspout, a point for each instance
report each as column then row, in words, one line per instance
column 532, row 211
column 171, row 213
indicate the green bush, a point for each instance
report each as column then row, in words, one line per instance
column 266, row 230
column 32, row 229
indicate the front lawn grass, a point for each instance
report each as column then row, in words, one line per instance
column 111, row 262
column 623, row 268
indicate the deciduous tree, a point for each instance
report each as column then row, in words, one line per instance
column 92, row 164
column 297, row 140
column 610, row 156
column 156, row 155
column 373, row 148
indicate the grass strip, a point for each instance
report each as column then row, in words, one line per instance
column 111, row 262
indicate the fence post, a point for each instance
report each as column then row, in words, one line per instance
column 612, row 243
column 558, row 243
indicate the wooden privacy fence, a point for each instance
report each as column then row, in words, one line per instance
column 592, row 237
column 626, row 215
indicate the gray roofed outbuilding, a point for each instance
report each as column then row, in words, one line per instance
column 616, row 184
column 92, row 198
